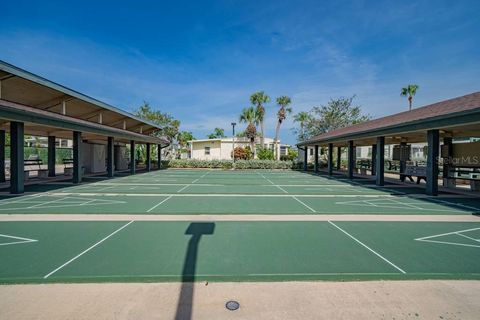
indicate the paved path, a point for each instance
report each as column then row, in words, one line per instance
column 270, row 300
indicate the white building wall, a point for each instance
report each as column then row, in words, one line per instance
column 221, row 149
column 198, row 150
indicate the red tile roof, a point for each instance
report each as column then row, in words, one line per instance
column 443, row 108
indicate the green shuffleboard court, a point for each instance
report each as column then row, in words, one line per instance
column 237, row 251
column 232, row 192
column 189, row 225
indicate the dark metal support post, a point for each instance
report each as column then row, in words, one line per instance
column 315, row 164
column 330, row 159
column 159, row 157
column 373, row 166
column 132, row 157
column 339, row 158
column 305, row 159
column 16, row 157
column 447, row 142
column 403, row 163
column 380, row 162
column 351, row 159
column 77, row 156
column 110, row 157
column 2, row 156
column 148, row 157
column 51, row 156
column 433, row 139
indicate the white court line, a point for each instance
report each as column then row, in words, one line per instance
column 90, row 248
column 462, row 235
column 184, row 188
column 200, row 177
column 21, row 199
column 23, row 240
column 446, row 234
column 273, row 184
column 267, row 179
column 452, row 243
column 367, row 247
column 157, row 184
column 407, row 204
column 304, row 204
column 158, row 204
column 110, row 194
column 46, row 202
column 456, row 204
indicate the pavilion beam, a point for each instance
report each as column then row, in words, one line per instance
column 380, row 162
column 110, row 158
column 330, row 159
column 351, row 159
column 373, row 165
column 132, row 157
column 46, row 105
column 51, row 156
column 16, row 157
column 149, row 166
column 315, row 163
column 339, row 158
column 117, row 122
column 433, row 140
column 77, row 156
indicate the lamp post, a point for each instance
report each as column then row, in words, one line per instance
column 233, row 140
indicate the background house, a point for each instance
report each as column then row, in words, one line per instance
column 221, row 148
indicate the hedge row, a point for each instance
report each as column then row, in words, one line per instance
column 228, row 164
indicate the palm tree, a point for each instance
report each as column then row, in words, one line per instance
column 409, row 91
column 302, row 118
column 217, row 133
column 283, row 102
column 249, row 116
column 258, row 99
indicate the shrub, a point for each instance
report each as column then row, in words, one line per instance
column 290, row 156
column 265, row 154
column 263, row 164
column 228, row 164
column 242, row 153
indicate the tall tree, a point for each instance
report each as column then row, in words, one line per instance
column 259, row 99
column 283, row 102
column 169, row 123
column 248, row 116
column 409, row 91
column 302, row 118
column 183, row 137
column 337, row 113
column 217, row 133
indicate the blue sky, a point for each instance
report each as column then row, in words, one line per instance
column 201, row 60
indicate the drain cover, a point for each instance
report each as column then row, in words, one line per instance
column 232, row 305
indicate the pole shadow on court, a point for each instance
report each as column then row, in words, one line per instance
column 185, row 300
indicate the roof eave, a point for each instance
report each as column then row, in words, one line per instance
column 5, row 66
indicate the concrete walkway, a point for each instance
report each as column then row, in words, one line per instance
column 268, row 300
